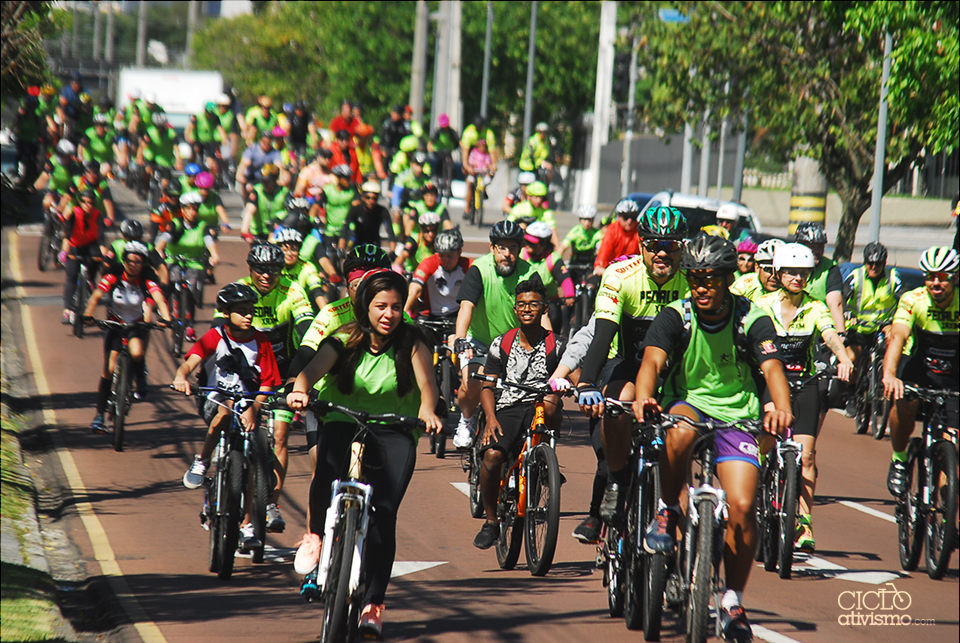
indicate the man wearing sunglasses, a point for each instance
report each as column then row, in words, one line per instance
column 754, row 285
column 928, row 314
column 871, row 293
column 631, row 295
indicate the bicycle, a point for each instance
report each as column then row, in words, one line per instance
column 85, row 284
column 51, row 240
column 927, row 510
column 339, row 577
column 475, row 205
column 528, row 505
column 873, row 409
column 585, row 294
column 121, row 387
column 446, row 370
column 182, row 302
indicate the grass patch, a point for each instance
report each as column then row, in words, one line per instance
column 15, row 492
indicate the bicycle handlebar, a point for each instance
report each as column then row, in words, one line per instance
column 667, row 420
column 322, row 407
column 830, row 371
column 500, row 383
column 929, row 394
column 236, row 395
column 111, row 323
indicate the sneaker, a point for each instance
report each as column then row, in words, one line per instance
column 190, row 334
column 196, row 474
column 140, row 394
column 371, row 621
column 309, row 588
column 851, row 410
column 308, row 555
column 734, row 625
column 275, row 522
column 463, row 438
column 98, row 425
column 67, row 318
column 248, row 539
column 805, row 541
column 588, row 531
column 896, row 478
column 610, row 505
column 660, row 535
column 486, row 536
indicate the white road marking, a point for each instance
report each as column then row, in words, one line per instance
column 828, row 569
column 462, row 487
column 761, row 632
column 870, row 511
column 402, row 568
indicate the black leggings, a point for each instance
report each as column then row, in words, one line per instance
column 389, row 479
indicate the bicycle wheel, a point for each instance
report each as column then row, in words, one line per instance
column 121, row 401
column 260, row 465
column 633, row 556
column 336, row 589
column 231, row 513
column 881, row 405
column 698, row 615
column 45, row 254
column 216, row 522
column 910, row 509
column 478, row 209
column 80, row 296
column 542, row 523
column 511, row 528
column 614, row 572
column 476, row 461
column 656, row 577
column 788, row 514
column 941, row 512
column 863, row 392
column 178, row 328
column 770, row 527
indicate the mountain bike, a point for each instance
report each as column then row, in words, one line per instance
column 182, row 304
column 51, row 240
column 586, row 295
column 528, row 505
column 927, row 510
column 873, row 409
column 340, row 578
column 475, row 205
column 86, row 282
column 446, row 370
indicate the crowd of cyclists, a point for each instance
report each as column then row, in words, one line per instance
column 351, row 243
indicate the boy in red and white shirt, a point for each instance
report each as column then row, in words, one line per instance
column 438, row 278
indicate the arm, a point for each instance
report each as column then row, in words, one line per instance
column 427, row 383
column 93, row 301
column 833, row 341
column 835, row 304
column 319, row 366
column 464, row 317
column 654, row 359
column 411, row 305
column 224, row 219
column 248, row 211
column 892, row 385
column 180, row 379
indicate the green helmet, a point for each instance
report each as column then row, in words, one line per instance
column 662, row 222
column 537, row 188
column 366, row 256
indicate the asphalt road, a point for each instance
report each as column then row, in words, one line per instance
column 133, row 522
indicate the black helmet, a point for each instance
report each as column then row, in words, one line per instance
column 298, row 220
column 88, row 194
column 810, row 232
column 342, row 171
column 236, row 293
column 448, row 241
column 131, row 229
column 707, row 252
column 361, row 304
column 92, row 166
column 265, row 255
column 173, row 188
column 367, row 256
column 298, row 203
column 874, row 252
column 506, row 230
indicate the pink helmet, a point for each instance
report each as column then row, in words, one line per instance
column 443, row 120
column 204, row 180
column 748, row 246
column 279, row 132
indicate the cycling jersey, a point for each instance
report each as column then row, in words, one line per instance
column 337, row 203
column 616, row 242
column 328, row 320
column 365, row 223
column 559, row 283
column 535, row 152
column 256, row 352
column 270, row 209
column 258, row 121
column 204, row 128
column 306, row 275
column 583, row 242
column 125, row 297
column 161, row 143
column 525, row 209
column 189, row 242
column 445, row 139
column 99, row 148
column 872, row 302
column 796, row 342
column 226, row 121
column 748, row 285
column 936, row 338
column 825, row 279
column 207, row 210
column 61, row 176
column 441, row 287
column 471, row 136
column 493, row 297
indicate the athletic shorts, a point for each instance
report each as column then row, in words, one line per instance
column 514, row 421
column 113, row 337
column 805, row 406
column 616, row 374
column 914, row 371
column 730, row 444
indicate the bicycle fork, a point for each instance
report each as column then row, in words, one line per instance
column 342, row 493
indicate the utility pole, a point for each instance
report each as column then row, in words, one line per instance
column 75, row 38
column 142, row 33
column 97, row 23
column 879, row 157
column 631, row 99
column 419, row 59
column 704, row 185
column 601, row 105
column 485, row 85
column 686, row 168
column 741, row 156
column 192, row 16
column 528, row 95
column 441, row 69
column 724, row 126
column 453, row 83
column 108, row 45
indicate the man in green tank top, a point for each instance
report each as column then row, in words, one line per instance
column 265, row 206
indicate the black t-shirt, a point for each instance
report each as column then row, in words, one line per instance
column 366, row 223
column 472, row 287
column 298, row 128
column 834, row 282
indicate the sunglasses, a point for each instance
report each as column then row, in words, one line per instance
column 662, row 245
column 369, row 197
column 705, row 281
column 942, row 276
column 270, row 272
column 802, row 273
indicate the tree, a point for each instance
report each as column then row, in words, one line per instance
column 809, row 74
column 22, row 58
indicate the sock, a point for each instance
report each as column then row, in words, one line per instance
column 900, row 456
column 730, row 599
column 806, row 519
column 103, row 394
column 139, row 370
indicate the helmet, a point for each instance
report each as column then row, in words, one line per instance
column 172, row 189
column 192, row 169
column 186, row 150
column 297, row 219
column 223, row 99
column 542, row 127
column 265, row 255
column 810, row 232
column 716, row 231
column 66, row 148
column 295, row 204
column 279, row 132
column 135, row 248
column 204, row 181
column 430, row 188
column 662, row 222
column 526, row 178
column 874, row 252
column 105, row 101
column 727, row 212
column 88, row 194
column 370, row 187
column 100, row 119
column 150, row 97
column 289, row 235
column 627, row 206
column 537, row 232
column 419, row 158
column 587, row 212
column 506, row 230
column 342, row 171
column 131, row 229
column 233, row 294
column 159, row 119
column 210, row 106
column 429, row 219
column 793, row 255
column 747, row 246
column 706, row 252
column 767, row 250
column 443, row 120
column 91, row 166
column 366, row 256
column 191, row 198
column 362, row 303
column 537, row 188
column 939, row 258
column 448, row 241
column 270, row 171
column 265, row 101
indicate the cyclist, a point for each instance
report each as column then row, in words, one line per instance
column 369, row 156
column 211, row 209
column 335, row 202
column 90, row 180
column 229, row 126
column 728, row 219
column 126, row 291
column 429, row 201
column 158, row 148
column 259, row 119
column 375, row 363
column 443, row 142
column 264, row 207
column 167, row 211
column 393, row 130
column 407, row 183
column 519, row 195
column 799, row 319
column 57, row 175
column 345, row 120
column 315, row 175
column 620, row 237
column 474, row 132
column 301, row 127
column 526, row 355
column 826, row 284
column 486, row 310
column 438, row 277
column 533, row 208
column 235, row 357
column 344, row 154
column 82, row 237
column 254, row 159
column 754, row 285
column 698, row 385
column 368, row 218
column 205, row 132
column 583, row 238
column 99, row 143
column 535, row 153
column 132, row 230
column 929, row 316
column 632, row 293
column 297, row 270
column 415, row 250
column 871, row 293
column 746, row 257
column 539, row 251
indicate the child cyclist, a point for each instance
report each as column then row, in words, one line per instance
column 236, row 357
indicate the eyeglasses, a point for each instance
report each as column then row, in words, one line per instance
column 767, row 267
column 133, row 262
column 627, row 216
column 506, row 249
column 942, row 276
column 528, row 305
column 704, row 281
column 662, row 245
column 802, row 273
column 270, row 272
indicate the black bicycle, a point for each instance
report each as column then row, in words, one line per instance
column 182, row 301
column 446, row 372
column 51, row 240
column 873, row 409
column 927, row 510
column 585, row 297
column 86, row 282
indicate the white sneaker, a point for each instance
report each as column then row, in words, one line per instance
column 196, row 474
column 463, row 438
column 248, row 539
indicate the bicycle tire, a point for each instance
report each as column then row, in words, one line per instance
column 864, row 404
column 44, row 253
column 179, row 328
column 337, row 586
column 80, row 302
column 511, row 529
column 232, row 513
column 909, row 511
column 260, row 464
column 121, row 401
column 881, row 405
column 480, row 196
column 634, row 582
column 655, row 568
column 476, row 501
column 941, row 511
column 787, row 516
column 216, row 524
column 614, row 574
column 770, row 527
column 701, row 580
column 542, row 522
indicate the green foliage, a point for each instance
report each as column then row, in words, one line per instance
column 23, row 61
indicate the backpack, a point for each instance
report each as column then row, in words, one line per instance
column 553, row 359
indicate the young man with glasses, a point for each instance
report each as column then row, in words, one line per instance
column 928, row 315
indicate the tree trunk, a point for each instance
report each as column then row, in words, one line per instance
column 853, row 209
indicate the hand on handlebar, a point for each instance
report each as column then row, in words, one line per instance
column 560, row 384
column 181, row 385
column 463, row 347
column 248, row 419
column 590, row 400
column 844, row 371
column 297, row 400
column 644, row 406
column 777, row 422
column 432, row 421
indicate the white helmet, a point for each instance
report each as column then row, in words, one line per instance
column 186, row 150
column 727, row 212
column 539, row 230
column 587, row 212
column 66, row 148
column 289, row 235
column 793, row 255
column 542, row 127
column 133, row 94
column 526, row 178
column 429, row 218
column 191, row 198
column 222, row 99
column 150, row 97
column 939, row 259
column 767, row 249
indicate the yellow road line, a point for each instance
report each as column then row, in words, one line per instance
column 102, row 551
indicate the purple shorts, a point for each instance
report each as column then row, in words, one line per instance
column 730, row 444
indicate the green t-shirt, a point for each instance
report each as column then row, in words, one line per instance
column 525, row 209
column 160, row 147
column 100, row 148
column 188, row 242
column 493, row 314
column 205, row 129
column 817, row 286
column 255, row 117
column 583, row 241
column 207, row 210
column 269, row 209
column 338, row 205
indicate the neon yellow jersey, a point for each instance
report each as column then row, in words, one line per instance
column 934, row 330
column 328, row 320
column 748, row 286
column 795, row 342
